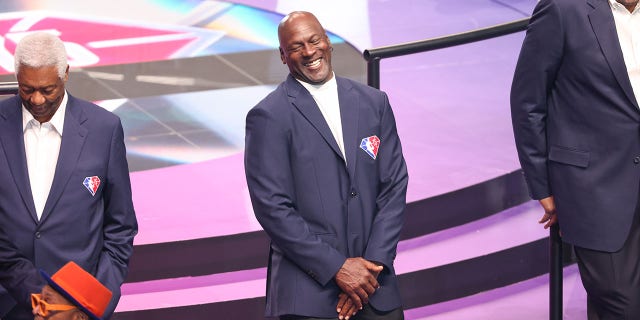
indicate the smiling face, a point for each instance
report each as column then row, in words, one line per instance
column 305, row 48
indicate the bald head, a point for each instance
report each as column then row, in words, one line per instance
column 295, row 18
column 305, row 47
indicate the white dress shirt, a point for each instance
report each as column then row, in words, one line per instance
column 326, row 97
column 42, row 146
column 628, row 27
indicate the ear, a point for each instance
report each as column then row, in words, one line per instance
column 284, row 61
column 66, row 75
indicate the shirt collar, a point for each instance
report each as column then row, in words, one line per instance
column 320, row 87
column 57, row 121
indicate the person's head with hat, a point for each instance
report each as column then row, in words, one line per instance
column 71, row 293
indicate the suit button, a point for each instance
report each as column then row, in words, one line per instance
column 353, row 194
column 636, row 160
column 38, row 235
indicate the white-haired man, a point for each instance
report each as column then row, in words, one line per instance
column 65, row 192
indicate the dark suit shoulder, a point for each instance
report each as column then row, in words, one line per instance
column 368, row 97
column 9, row 105
column 346, row 83
column 275, row 100
column 274, row 109
column 10, row 100
column 569, row 7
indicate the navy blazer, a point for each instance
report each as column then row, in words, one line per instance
column 576, row 121
column 17, row 274
column 94, row 230
column 316, row 209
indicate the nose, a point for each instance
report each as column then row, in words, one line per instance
column 309, row 49
column 36, row 98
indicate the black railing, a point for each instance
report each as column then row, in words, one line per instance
column 373, row 57
column 7, row 88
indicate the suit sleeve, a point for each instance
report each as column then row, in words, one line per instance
column 272, row 191
column 120, row 224
column 534, row 78
column 391, row 199
column 17, row 274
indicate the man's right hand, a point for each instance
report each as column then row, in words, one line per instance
column 345, row 308
column 356, row 279
column 550, row 216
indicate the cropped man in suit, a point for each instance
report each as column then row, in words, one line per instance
column 576, row 121
column 65, row 193
column 328, row 183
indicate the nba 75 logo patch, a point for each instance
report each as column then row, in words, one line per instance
column 92, row 184
column 370, row 145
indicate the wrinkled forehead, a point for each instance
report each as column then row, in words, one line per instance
column 38, row 76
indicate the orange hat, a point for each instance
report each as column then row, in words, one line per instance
column 81, row 289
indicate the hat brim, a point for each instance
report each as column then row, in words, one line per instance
column 71, row 299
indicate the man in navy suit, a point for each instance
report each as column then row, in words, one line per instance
column 65, row 193
column 574, row 104
column 328, row 183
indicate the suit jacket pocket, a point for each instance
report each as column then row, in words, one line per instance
column 575, row 157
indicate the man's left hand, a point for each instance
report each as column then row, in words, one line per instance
column 357, row 278
column 346, row 308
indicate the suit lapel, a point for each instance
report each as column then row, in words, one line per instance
column 73, row 137
column 604, row 27
column 303, row 101
column 349, row 117
column 12, row 138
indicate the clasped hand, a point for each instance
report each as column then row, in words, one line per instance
column 357, row 278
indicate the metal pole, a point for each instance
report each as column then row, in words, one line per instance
column 8, row 88
column 373, row 72
column 446, row 41
column 555, row 274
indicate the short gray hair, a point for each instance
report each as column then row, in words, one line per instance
column 41, row 49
